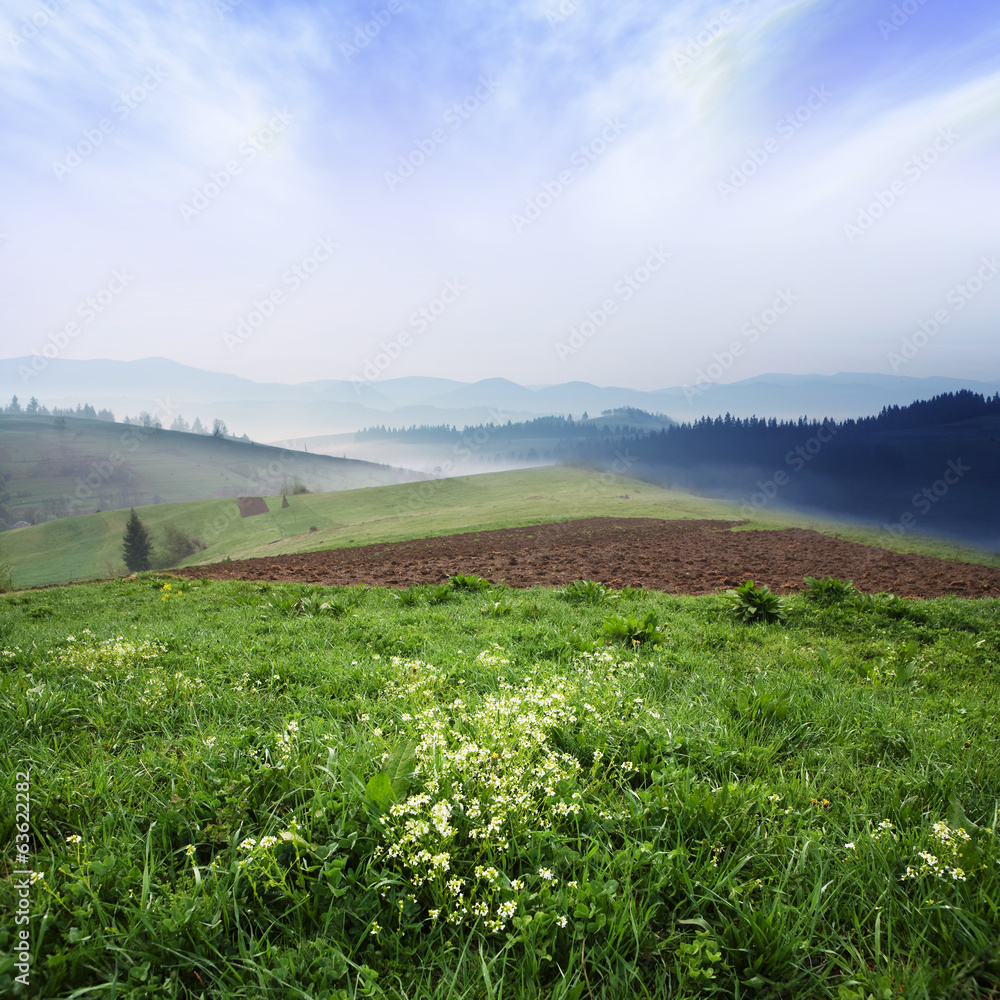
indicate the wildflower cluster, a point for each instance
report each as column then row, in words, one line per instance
column 108, row 656
column 605, row 677
column 105, row 665
column 490, row 778
column 884, row 833
column 284, row 751
column 416, row 681
column 952, row 856
column 167, row 591
column 273, row 863
column 244, row 682
column 160, row 688
column 493, row 657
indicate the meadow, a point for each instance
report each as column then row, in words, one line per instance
column 67, row 466
column 90, row 546
column 469, row 791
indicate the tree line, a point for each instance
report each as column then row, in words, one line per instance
column 562, row 428
column 33, row 407
column 143, row 419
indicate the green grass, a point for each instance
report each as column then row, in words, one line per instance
column 89, row 546
column 245, row 790
column 81, row 465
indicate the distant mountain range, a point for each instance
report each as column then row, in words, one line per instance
column 271, row 411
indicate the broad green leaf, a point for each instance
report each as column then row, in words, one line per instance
column 398, row 768
column 379, row 790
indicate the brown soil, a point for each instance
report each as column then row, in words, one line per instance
column 685, row 557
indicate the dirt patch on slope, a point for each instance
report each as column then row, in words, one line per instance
column 681, row 557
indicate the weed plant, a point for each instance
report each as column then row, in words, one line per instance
column 753, row 603
column 633, row 630
column 586, row 592
column 829, row 590
column 490, row 797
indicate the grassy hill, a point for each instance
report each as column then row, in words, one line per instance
column 89, row 546
column 236, row 790
column 67, row 465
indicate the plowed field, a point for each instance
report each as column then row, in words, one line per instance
column 682, row 557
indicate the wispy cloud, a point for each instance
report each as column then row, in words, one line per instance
column 117, row 121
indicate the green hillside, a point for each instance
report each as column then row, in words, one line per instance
column 89, row 546
column 57, row 466
column 231, row 791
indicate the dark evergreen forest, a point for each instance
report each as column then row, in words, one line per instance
column 931, row 466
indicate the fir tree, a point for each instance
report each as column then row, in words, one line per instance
column 136, row 544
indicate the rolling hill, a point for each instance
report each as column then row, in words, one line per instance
column 60, row 466
column 87, row 547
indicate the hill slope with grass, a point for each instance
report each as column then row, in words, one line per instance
column 90, row 546
column 58, row 466
column 244, row 790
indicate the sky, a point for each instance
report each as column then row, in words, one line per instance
column 632, row 194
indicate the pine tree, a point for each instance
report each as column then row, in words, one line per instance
column 136, row 544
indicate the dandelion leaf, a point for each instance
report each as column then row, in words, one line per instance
column 379, row 790
column 398, row 768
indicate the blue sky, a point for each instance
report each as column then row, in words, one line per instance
column 622, row 193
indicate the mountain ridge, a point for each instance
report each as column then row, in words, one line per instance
column 277, row 410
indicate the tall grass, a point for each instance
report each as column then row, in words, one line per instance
column 243, row 790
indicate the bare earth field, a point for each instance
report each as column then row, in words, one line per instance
column 682, row 557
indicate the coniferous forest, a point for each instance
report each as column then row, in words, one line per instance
column 932, row 466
